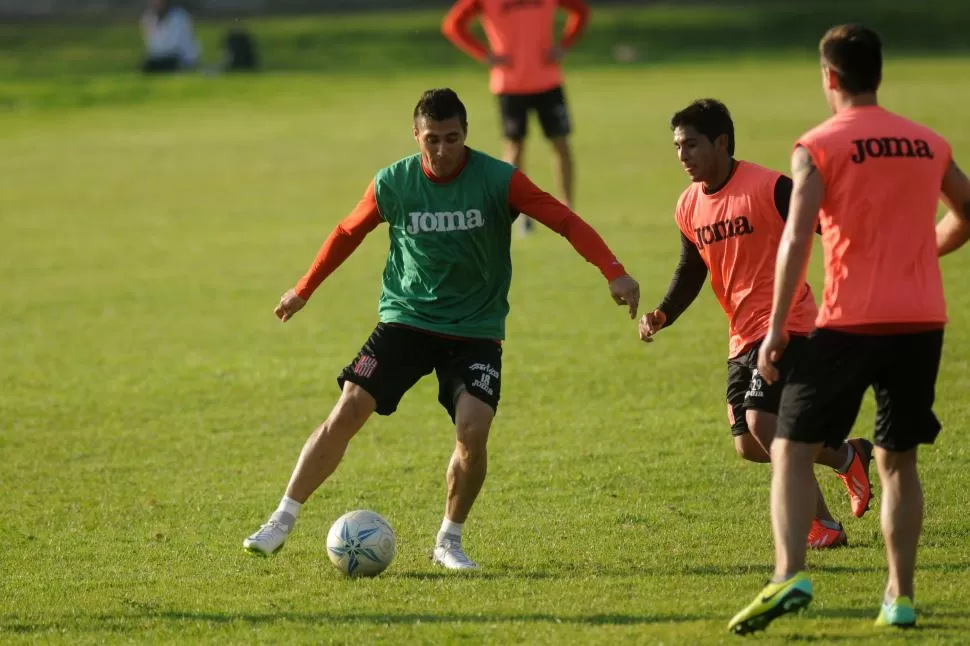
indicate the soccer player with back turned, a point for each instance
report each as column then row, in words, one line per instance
column 444, row 300
column 730, row 219
column 873, row 180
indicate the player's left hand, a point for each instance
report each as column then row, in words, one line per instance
column 555, row 55
column 290, row 304
column 771, row 350
column 626, row 291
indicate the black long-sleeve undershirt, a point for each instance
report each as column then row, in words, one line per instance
column 691, row 272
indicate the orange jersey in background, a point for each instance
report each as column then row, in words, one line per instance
column 882, row 175
column 737, row 231
column 522, row 31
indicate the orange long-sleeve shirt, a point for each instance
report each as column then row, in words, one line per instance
column 520, row 31
column 524, row 196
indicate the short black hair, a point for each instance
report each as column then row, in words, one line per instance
column 854, row 53
column 441, row 104
column 709, row 117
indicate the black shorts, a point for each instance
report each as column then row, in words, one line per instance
column 826, row 387
column 395, row 357
column 747, row 390
column 550, row 105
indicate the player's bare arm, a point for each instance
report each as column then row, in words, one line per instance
column 953, row 231
column 793, row 254
column 685, row 285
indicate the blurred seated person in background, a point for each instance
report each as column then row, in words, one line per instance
column 239, row 51
column 169, row 40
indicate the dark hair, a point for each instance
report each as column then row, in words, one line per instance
column 854, row 53
column 709, row 117
column 441, row 104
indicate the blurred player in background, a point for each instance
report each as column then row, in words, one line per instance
column 525, row 63
column 443, row 305
column 730, row 219
column 170, row 41
column 873, row 179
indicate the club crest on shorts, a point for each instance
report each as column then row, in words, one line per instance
column 365, row 366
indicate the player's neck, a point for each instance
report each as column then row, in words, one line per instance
column 443, row 179
column 721, row 177
column 850, row 101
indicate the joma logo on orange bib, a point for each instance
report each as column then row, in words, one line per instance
column 722, row 230
column 890, row 147
column 427, row 222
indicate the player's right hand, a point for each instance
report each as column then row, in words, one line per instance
column 769, row 353
column 651, row 323
column 289, row 305
column 555, row 54
column 497, row 60
column 626, row 291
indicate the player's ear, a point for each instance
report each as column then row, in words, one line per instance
column 414, row 132
column 721, row 143
column 829, row 78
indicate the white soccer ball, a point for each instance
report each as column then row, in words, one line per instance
column 361, row 543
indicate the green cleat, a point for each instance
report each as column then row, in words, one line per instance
column 774, row 601
column 899, row 613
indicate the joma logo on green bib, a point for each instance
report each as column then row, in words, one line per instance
column 426, row 222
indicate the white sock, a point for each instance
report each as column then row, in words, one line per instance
column 290, row 506
column 848, row 460
column 448, row 527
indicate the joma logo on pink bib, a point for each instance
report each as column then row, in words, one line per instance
column 427, row 222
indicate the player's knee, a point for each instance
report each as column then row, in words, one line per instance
column 750, row 449
column 761, row 428
column 352, row 410
column 561, row 146
column 894, row 463
column 472, row 434
column 513, row 151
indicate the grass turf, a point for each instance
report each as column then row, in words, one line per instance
column 151, row 408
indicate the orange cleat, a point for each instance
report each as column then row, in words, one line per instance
column 856, row 479
column 822, row 537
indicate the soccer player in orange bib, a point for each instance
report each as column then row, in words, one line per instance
column 873, row 180
column 525, row 66
column 730, row 219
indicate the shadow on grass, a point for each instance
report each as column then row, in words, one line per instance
column 122, row 622
column 486, row 576
column 930, row 620
column 765, row 568
column 927, row 620
column 136, row 622
column 565, row 572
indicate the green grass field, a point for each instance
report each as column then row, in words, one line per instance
column 151, row 407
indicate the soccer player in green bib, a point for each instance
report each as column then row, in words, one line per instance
column 442, row 308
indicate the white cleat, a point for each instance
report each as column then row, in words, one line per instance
column 269, row 538
column 449, row 555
